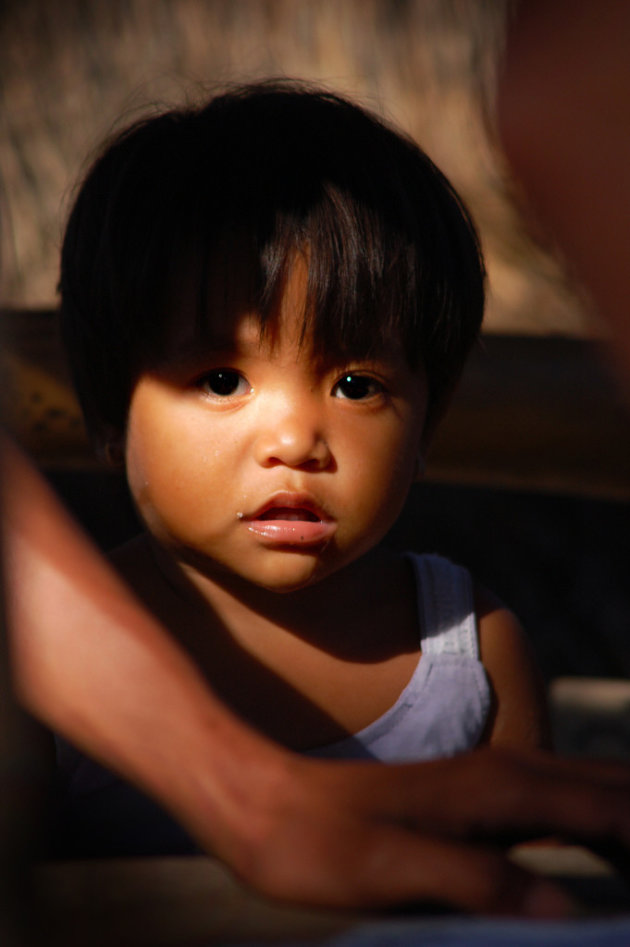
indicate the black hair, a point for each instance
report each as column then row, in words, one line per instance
column 257, row 174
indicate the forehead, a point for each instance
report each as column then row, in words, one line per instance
column 223, row 311
column 224, row 314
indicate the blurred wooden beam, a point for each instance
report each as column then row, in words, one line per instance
column 537, row 413
column 532, row 412
column 39, row 402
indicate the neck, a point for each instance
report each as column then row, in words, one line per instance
column 305, row 667
column 343, row 614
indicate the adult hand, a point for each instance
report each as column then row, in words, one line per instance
column 90, row 662
column 365, row 835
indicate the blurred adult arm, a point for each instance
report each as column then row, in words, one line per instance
column 563, row 113
column 91, row 663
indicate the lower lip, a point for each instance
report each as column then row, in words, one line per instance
column 292, row 532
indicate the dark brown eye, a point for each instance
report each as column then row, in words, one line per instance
column 223, row 382
column 355, row 387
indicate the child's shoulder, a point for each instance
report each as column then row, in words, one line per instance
column 520, row 714
column 451, row 599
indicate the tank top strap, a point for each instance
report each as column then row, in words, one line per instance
column 445, row 607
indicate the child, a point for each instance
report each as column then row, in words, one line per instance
column 267, row 303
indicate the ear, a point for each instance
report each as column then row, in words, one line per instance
column 111, row 449
column 114, row 455
column 426, row 438
column 420, row 465
column 431, row 424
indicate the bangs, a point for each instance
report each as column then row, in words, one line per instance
column 210, row 207
column 356, row 302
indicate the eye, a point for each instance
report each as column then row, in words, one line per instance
column 355, row 387
column 223, row 383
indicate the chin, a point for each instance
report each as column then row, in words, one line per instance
column 289, row 577
column 284, row 585
column 284, row 572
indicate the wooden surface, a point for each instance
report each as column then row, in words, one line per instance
column 591, row 717
column 189, row 902
column 531, row 412
column 167, row 902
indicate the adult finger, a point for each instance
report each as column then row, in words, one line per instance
column 503, row 793
column 393, row 866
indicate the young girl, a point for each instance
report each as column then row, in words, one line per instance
column 267, row 303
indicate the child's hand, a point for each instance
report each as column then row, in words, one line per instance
column 365, row 835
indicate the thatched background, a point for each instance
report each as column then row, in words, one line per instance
column 70, row 68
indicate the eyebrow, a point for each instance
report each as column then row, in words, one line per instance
column 207, row 342
column 203, row 342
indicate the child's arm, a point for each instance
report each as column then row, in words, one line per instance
column 88, row 660
column 519, row 714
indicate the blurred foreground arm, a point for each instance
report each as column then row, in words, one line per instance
column 91, row 663
column 564, row 122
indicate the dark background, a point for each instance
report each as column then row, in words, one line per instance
column 560, row 562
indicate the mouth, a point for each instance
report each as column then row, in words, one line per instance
column 291, row 520
column 289, row 514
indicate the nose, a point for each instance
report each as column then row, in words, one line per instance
column 292, row 434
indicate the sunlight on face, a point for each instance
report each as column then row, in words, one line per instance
column 247, row 455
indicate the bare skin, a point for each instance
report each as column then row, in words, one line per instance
column 344, row 834
column 338, row 834
column 266, row 475
column 334, row 673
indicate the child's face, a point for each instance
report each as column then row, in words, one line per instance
column 251, row 457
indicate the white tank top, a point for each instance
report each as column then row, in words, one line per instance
column 441, row 711
column 444, row 707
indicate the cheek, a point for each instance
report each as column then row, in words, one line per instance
column 165, row 463
column 384, row 466
column 393, row 481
